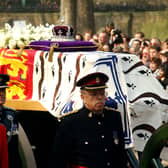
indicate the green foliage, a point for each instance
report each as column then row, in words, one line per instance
column 154, row 24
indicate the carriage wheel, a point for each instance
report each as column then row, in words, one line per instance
column 26, row 152
column 151, row 155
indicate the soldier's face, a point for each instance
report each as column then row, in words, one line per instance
column 2, row 96
column 93, row 100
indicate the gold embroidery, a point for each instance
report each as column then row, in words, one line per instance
column 67, row 114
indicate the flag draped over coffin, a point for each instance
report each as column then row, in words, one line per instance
column 131, row 89
column 20, row 70
column 148, row 101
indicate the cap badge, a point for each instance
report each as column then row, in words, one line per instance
column 97, row 80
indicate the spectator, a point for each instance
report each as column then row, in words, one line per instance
column 139, row 35
column 115, row 38
column 154, row 65
column 109, row 27
column 136, row 43
column 145, row 43
column 132, row 50
column 154, row 51
column 124, row 45
column 163, row 75
column 145, row 57
column 106, row 48
column 118, row 49
column 118, row 41
column 102, row 39
column 94, row 38
column 87, row 36
column 165, row 44
column 135, row 47
column 79, row 37
column 155, row 42
column 164, row 56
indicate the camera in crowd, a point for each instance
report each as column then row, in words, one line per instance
column 118, row 37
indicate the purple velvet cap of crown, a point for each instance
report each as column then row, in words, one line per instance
column 64, row 46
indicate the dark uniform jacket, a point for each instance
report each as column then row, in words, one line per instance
column 89, row 140
column 9, row 119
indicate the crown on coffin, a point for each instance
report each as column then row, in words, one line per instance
column 63, row 33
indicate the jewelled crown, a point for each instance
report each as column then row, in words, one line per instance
column 63, row 33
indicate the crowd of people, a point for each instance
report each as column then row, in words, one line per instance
column 152, row 52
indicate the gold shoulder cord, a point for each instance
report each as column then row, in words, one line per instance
column 67, row 114
column 109, row 108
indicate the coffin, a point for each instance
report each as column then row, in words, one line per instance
column 38, row 82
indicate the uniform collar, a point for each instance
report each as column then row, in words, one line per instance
column 91, row 114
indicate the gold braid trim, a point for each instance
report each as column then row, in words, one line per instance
column 67, row 114
column 110, row 108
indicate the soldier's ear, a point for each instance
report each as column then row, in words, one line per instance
column 82, row 96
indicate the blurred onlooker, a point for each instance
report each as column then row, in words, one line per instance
column 106, row 48
column 132, row 50
column 79, row 37
column 102, row 39
column 109, row 27
column 118, row 49
column 145, row 58
column 164, row 56
column 116, row 38
column 94, row 38
column 163, row 75
column 154, row 51
column 87, row 36
column 124, row 45
column 165, row 44
column 154, row 65
column 136, row 44
column 139, row 35
column 145, row 43
column 155, row 42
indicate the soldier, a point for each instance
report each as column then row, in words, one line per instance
column 91, row 137
column 3, row 147
column 9, row 119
